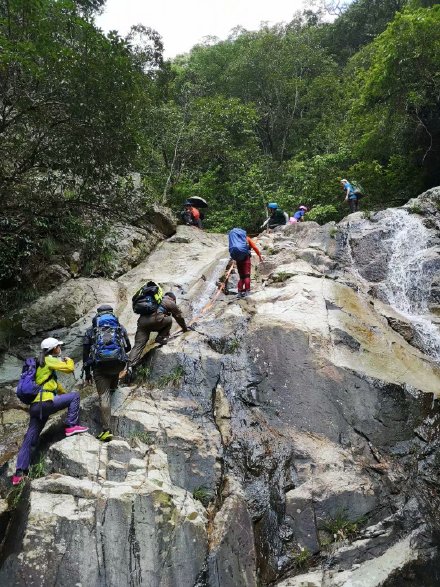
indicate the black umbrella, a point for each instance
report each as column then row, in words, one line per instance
column 198, row 202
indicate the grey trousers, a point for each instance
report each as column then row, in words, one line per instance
column 106, row 382
column 159, row 323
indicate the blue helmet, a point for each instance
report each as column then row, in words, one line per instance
column 272, row 206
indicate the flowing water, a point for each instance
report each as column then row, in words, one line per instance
column 210, row 287
column 408, row 283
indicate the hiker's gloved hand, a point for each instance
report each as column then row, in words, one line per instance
column 191, row 328
column 88, row 376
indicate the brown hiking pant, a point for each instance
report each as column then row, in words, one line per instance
column 106, row 382
column 158, row 322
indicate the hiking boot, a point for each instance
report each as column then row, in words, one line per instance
column 71, row 430
column 161, row 341
column 105, row 436
column 18, row 478
column 241, row 294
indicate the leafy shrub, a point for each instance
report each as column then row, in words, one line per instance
column 281, row 277
column 173, row 378
column 323, row 213
column 302, row 558
column 204, row 495
column 340, row 527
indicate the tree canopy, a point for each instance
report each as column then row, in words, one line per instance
column 277, row 114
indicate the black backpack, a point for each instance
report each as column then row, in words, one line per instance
column 147, row 299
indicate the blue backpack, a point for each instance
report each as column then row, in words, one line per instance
column 27, row 389
column 108, row 340
column 238, row 246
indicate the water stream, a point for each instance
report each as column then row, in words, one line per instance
column 210, row 287
column 408, row 283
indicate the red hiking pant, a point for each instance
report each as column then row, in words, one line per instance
column 244, row 271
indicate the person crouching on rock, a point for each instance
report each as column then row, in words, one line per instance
column 159, row 320
column 191, row 215
column 105, row 348
column 51, row 398
column 298, row 216
column 277, row 216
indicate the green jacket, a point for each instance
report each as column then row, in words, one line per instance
column 277, row 218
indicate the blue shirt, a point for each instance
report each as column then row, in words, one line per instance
column 351, row 194
column 299, row 214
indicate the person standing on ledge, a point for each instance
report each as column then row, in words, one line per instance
column 350, row 195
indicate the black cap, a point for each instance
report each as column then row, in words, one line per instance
column 105, row 308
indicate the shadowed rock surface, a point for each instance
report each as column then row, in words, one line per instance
column 292, row 440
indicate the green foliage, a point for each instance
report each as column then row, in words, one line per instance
column 72, row 102
column 36, row 471
column 302, row 558
column 340, row 527
column 143, row 436
column 232, row 345
column 414, row 209
column 143, row 374
column 279, row 114
column 281, row 277
column 173, row 378
column 204, row 495
column 323, row 213
column 14, row 496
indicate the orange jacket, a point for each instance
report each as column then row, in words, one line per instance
column 195, row 213
column 253, row 246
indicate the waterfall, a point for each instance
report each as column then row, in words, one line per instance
column 408, row 284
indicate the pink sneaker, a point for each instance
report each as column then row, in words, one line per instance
column 75, row 430
column 17, row 479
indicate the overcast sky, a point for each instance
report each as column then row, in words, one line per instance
column 183, row 23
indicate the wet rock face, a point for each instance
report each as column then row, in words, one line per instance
column 291, row 440
column 105, row 532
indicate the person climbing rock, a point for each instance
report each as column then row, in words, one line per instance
column 277, row 217
column 105, row 348
column 350, row 195
column 299, row 215
column 157, row 316
column 191, row 215
column 39, row 387
column 240, row 246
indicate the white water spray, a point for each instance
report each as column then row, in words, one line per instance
column 408, row 283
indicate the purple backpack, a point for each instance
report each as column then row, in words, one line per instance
column 27, row 389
